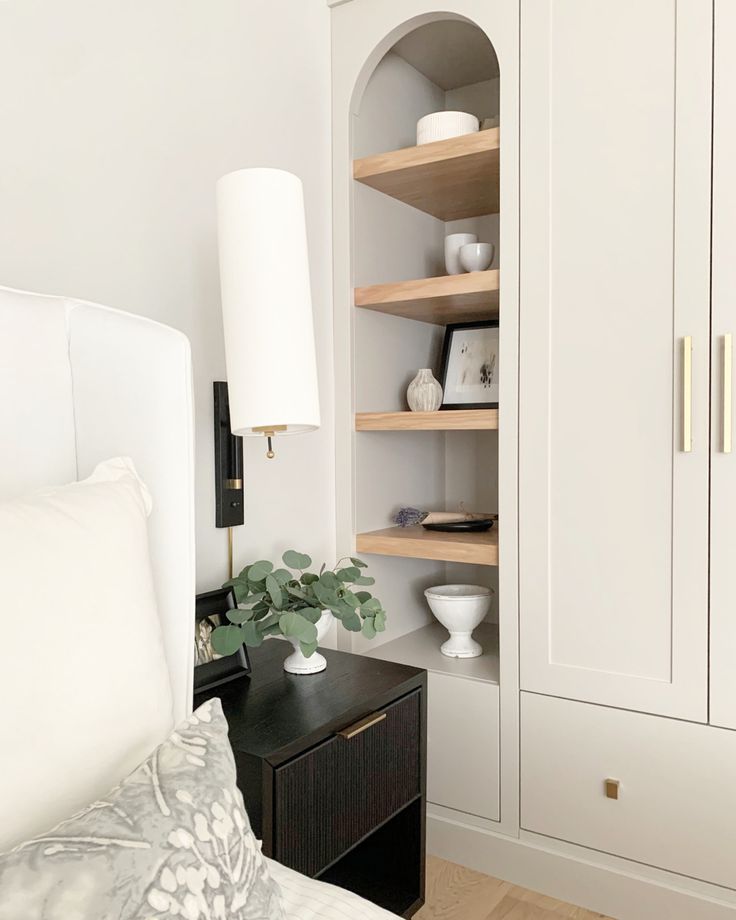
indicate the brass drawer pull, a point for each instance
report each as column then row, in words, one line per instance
column 363, row 725
column 727, row 387
column 687, row 394
column 612, row 787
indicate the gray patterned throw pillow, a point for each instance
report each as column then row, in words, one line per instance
column 172, row 840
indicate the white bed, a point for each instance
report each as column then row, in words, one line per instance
column 305, row 899
column 80, row 383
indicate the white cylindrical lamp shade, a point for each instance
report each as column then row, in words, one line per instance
column 266, row 302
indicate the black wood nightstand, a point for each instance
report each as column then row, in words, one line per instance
column 332, row 767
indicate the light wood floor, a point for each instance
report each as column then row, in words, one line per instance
column 457, row 893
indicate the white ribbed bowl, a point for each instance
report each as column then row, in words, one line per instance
column 439, row 126
column 460, row 608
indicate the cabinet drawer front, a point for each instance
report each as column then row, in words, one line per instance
column 674, row 780
column 329, row 798
column 462, row 745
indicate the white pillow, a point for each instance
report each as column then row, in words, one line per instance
column 83, row 676
column 172, row 840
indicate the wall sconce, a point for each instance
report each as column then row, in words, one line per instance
column 267, row 304
column 267, row 320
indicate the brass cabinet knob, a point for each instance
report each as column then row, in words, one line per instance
column 612, row 788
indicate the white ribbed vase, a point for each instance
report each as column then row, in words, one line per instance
column 424, row 393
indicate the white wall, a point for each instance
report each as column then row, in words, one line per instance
column 116, row 119
column 482, row 99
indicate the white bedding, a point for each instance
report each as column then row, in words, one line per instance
column 307, row 899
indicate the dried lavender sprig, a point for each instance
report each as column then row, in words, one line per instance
column 406, row 517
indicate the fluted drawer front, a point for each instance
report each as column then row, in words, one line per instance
column 329, row 798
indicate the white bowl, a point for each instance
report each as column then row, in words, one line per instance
column 460, row 608
column 477, row 257
column 453, row 244
column 439, row 126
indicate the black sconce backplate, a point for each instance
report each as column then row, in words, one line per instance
column 229, row 511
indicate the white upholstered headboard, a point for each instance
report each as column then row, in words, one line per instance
column 80, row 383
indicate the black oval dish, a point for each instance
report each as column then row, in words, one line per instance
column 461, row 526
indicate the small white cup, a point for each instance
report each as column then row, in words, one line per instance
column 453, row 244
column 477, row 257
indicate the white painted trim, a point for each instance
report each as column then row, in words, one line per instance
column 596, row 881
column 337, row 2
column 442, row 813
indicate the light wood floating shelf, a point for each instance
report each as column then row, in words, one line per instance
column 450, row 420
column 450, row 179
column 421, row 649
column 418, row 543
column 447, row 299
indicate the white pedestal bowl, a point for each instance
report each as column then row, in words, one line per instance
column 297, row 662
column 460, row 608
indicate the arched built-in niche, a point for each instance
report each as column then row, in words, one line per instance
column 386, row 75
column 446, row 64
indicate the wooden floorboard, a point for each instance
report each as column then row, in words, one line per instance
column 457, row 893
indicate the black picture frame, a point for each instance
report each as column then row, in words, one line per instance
column 213, row 606
column 447, row 345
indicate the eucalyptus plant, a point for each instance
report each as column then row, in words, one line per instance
column 289, row 602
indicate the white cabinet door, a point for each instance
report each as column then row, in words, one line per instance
column 723, row 459
column 615, row 271
column 463, row 745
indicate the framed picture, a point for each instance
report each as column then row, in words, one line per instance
column 470, row 366
column 211, row 669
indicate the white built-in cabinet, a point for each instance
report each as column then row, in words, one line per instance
column 627, row 471
column 601, row 729
column 615, row 349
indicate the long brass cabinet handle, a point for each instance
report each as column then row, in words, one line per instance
column 687, row 393
column 363, row 725
column 727, row 390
